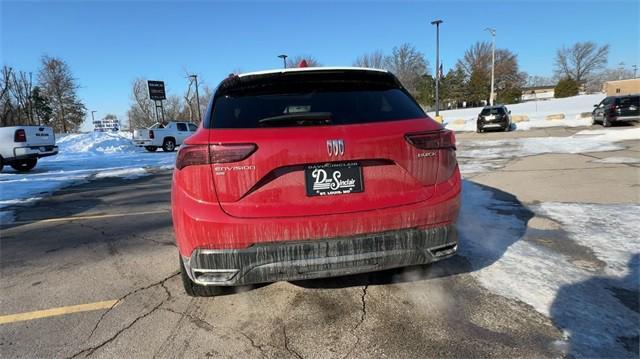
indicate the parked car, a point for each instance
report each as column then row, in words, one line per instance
column 494, row 117
column 21, row 146
column 167, row 136
column 615, row 109
column 312, row 172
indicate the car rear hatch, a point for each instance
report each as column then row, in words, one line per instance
column 323, row 142
column 628, row 106
column 38, row 136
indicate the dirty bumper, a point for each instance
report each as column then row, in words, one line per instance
column 296, row 260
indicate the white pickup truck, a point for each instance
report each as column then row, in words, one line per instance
column 166, row 136
column 21, row 146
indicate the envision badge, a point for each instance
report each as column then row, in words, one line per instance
column 426, row 154
column 335, row 147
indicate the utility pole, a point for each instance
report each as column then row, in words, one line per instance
column 493, row 62
column 635, row 69
column 620, row 70
column 437, row 23
column 93, row 119
column 195, row 78
column 284, row 60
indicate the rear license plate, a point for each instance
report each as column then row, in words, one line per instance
column 333, row 178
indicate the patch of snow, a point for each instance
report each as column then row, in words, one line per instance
column 571, row 107
column 80, row 157
column 582, row 303
column 622, row 160
column 476, row 156
column 126, row 173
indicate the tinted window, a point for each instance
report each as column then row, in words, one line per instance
column 192, row 127
column 492, row 111
column 629, row 101
column 182, row 127
column 314, row 99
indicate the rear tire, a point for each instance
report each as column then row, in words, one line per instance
column 1, row 163
column 151, row 148
column 169, row 145
column 24, row 165
column 196, row 290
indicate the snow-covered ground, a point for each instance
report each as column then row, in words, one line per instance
column 81, row 157
column 584, row 300
column 481, row 156
column 570, row 107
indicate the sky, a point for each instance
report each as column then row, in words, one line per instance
column 110, row 43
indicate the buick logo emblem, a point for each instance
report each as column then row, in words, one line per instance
column 335, row 148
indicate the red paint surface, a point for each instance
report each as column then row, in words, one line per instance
column 269, row 203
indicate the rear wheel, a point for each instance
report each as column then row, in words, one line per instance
column 24, row 165
column 1, row 163
column 151, row 148
column 196, row 290
column 169, row 145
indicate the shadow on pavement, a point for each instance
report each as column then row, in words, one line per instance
column 601, row 315
column 490, row 221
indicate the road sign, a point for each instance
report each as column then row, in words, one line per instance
column 156, row 90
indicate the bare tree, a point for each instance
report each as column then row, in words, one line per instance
column 142, row 110
column 311, row 61
column 581, row 60
column 408, row 65
column 476, row 64
column 60, row 87
column 374, row 60
column 537, row 81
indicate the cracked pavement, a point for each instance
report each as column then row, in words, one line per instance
column 438, row 310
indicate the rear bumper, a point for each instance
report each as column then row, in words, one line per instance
column 624, row 118
column 143, row 143
column 297, row 260
column 21, row 153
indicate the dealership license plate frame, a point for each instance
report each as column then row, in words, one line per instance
column 347, row 170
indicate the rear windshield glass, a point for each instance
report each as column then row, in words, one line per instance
column 315, row 102
column 629, row 101
column 492, row 111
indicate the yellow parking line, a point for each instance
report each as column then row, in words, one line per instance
column 20, row 317
column 97, row 216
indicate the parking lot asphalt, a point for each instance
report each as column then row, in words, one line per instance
column 92, row 271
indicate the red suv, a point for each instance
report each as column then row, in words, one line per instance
column 312, row 172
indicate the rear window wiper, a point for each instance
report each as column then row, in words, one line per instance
column 301, row 119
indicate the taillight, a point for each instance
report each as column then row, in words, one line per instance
column 438, row 140
column 231, row 153
column 190, row 155
column 20, row 136
column 439, row 163
column 151, row 134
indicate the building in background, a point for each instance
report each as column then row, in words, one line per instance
column 538, row 93
column 109, row 123
column 621, row 87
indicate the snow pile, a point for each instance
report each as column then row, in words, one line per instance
column 571, row 107
column 585, row 301
column 96, row 143
column 81, row 157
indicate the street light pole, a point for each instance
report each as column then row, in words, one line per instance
column 195, row 78
column 437, row 23
column 284, row 60
column 93, row 120
column 493, row 62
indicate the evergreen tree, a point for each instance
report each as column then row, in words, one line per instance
column 566, row 87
